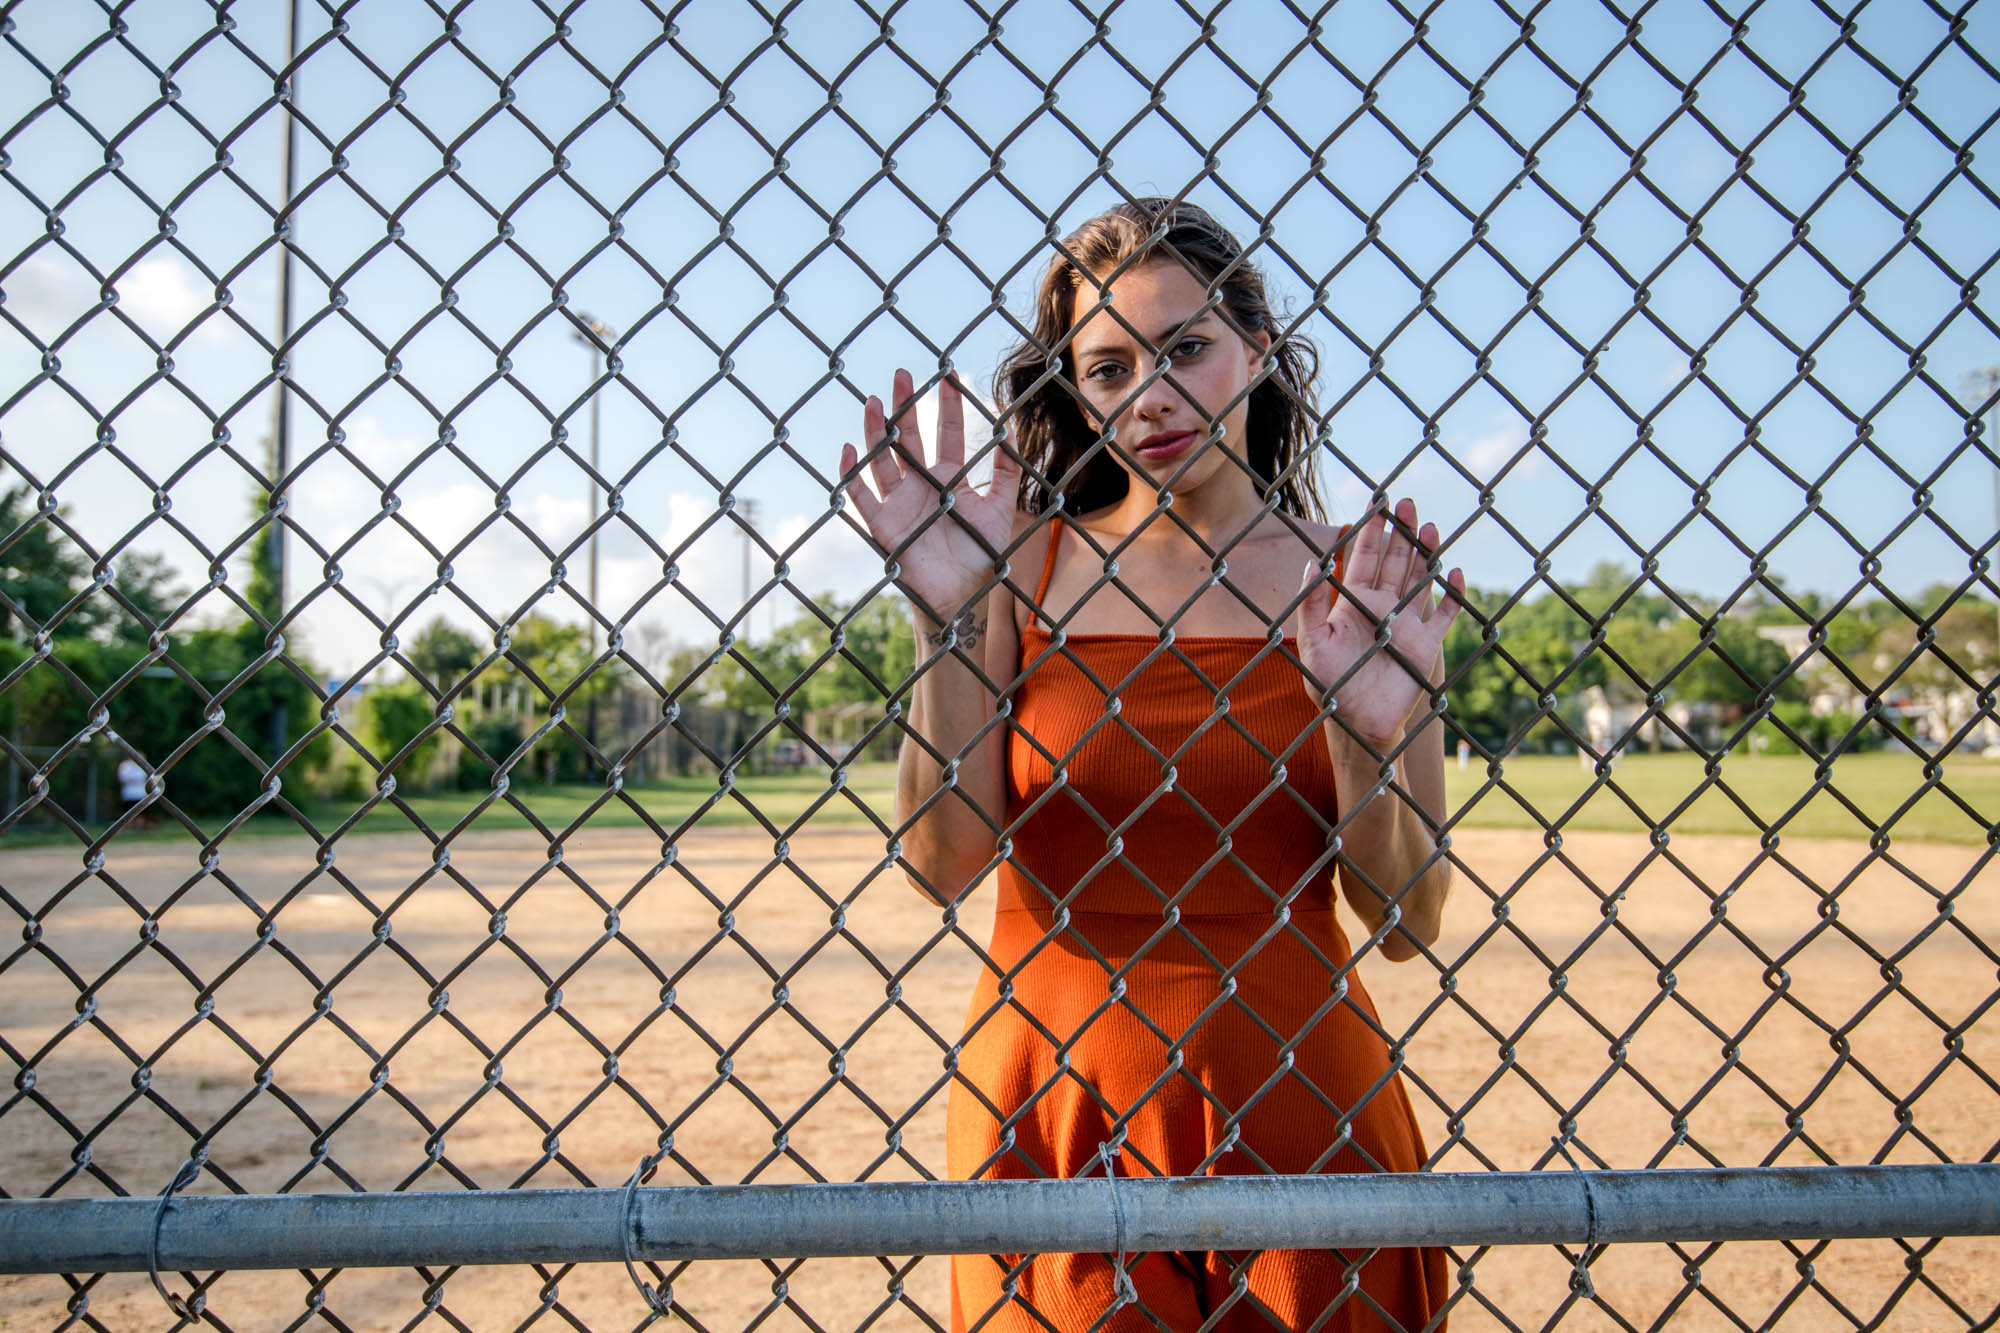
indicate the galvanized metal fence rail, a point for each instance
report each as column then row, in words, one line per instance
column 1710, row 276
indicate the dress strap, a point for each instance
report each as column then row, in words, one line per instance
column 1049, row 561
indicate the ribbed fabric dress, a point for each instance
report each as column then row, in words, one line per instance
column 1152, row 994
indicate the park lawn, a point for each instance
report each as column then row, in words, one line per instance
column 1528, row 792
column 1525, row 792
column 668, row 802
column 1879, row 785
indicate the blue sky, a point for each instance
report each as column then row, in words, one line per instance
column 358, row 426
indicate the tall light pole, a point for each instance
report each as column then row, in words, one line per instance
column 751, row 510
column 281, row 424
column 1979, row 387
column 594, row 334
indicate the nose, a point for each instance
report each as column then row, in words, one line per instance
column 1159, row 400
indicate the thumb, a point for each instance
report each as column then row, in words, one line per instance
column 1006, row 463
column 1304, row 614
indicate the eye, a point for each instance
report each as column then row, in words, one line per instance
column 1187, row 349
column 1103, row 370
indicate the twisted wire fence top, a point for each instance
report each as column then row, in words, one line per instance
column 432, row 614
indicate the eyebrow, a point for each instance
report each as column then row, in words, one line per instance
column 1158, row 340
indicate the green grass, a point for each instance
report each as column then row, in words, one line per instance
column 669, row 802
column 1878, row 784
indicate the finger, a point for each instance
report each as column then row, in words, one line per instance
column 1453, row 600
column 1304, row 616
column 1364, row 559
column 1321, row 604
column 1006, row 465
column 1420, row 570
column 882, row 464
column 1449, row 605
column 857, row 490
column 950, row 425
column 1399, row 561
column 909, row 435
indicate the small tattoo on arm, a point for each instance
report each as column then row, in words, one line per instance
column 969, row 628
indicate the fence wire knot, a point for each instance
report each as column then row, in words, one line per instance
column 187, row 1307
column 660, row 1299
column 1579, row 1281
column 1121, row 1280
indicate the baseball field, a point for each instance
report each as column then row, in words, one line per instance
column 386, row 1018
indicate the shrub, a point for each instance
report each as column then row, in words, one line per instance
column 396, row 715
column 499, row 737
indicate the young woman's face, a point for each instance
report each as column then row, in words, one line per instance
column 1163, row 427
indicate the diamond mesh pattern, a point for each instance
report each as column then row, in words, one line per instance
column 1687, row 289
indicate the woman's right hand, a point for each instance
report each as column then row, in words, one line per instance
column 944, row 560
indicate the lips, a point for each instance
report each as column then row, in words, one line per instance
column 1169, row 445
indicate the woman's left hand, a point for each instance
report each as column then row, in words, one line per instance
column 1338, row 634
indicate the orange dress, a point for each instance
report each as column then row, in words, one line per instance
column 1167, row 977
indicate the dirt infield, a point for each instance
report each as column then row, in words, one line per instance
column 465, row 1014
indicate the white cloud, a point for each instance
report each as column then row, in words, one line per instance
column 49, row 289
column 1486, row 453
column 502, row 570
column 161, row 294
column 162, row 297
column 380, row 448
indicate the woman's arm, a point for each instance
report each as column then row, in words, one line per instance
column 1357, row 649
column 942, row 536
column 1390, row 844
column 951, row 788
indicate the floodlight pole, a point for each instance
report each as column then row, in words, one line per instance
column 1980, row 387
column 594, row 334
column 752, row 510
column 281, row 422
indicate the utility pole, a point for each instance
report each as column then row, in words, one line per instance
column 1979, row 388
column 752, row 510
column 281, row 421
column 595, row 334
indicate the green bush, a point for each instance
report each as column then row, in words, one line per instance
column 1818, row 732
column 499, row 737
column 159, row 710
column 395, row 716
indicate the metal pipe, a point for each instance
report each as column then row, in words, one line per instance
column 998, row 1217
column 278, row 723
column 598, row 333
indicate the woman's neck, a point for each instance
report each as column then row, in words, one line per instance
column 1219, row 513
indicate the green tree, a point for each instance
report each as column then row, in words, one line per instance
column 554, row 660
column 146, row 584
column 1739, row 668
column 1542, row 648
column 396, row 715
column 40, row 569
column 878, row 643
column 1962, row 643
column 444, row 653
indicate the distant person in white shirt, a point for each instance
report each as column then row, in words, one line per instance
column 132, row 787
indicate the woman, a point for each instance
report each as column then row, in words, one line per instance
column 1126, row 736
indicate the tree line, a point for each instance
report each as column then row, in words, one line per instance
column 1519, row 666
column 215, row 705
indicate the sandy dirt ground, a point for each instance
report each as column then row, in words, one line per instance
column 434, row 1026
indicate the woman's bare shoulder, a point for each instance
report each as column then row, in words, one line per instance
column 1316, row 537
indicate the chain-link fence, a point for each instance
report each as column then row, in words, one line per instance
column 433, row 613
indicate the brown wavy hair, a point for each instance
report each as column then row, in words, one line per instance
column 1051, row 431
